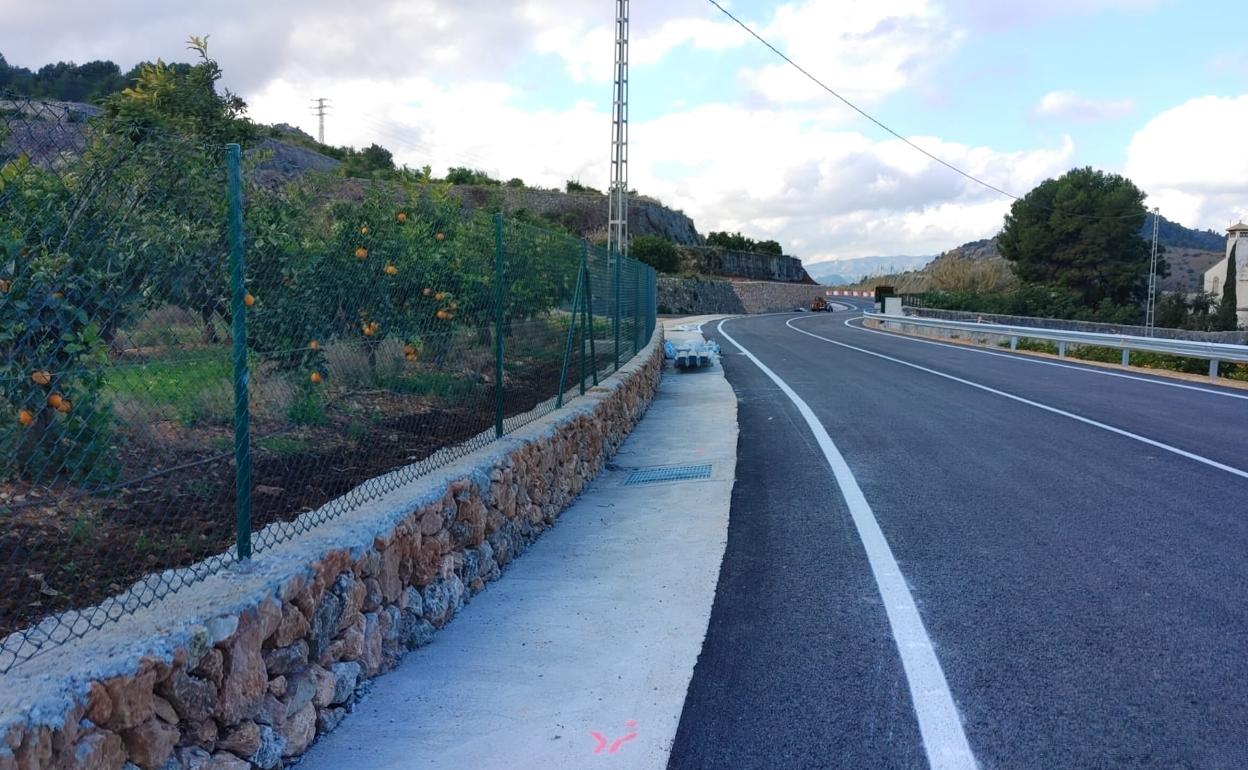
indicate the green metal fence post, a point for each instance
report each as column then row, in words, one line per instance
column 499, row 321
column 589, row 318
column 567, row 346
column 638, row 294
column 582, row 279
column 619, row 265
column 238, row 317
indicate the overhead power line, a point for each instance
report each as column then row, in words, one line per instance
column 885, row 127
column 855, row 107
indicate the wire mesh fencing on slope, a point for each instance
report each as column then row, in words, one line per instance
column 195, row 367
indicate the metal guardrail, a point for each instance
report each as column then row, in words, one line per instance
column 1214, row 352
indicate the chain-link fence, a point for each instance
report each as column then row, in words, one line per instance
column 197, row 362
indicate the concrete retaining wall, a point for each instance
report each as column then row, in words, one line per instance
column 247, row 667
column 699, row 296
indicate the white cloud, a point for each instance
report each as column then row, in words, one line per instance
column 995, row 14
column 1192, row 162
column 428, row 80
column 826, row 192
column 1068, row 105
column 310, row 41
column 476, row 123
column 864, row 50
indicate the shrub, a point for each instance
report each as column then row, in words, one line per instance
column 575, row 186
column 738, row 242
column 465, row 175
column 657, row 252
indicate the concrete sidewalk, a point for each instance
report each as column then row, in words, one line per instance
column 594, row 630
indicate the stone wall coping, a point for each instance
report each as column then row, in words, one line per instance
column 41, row 691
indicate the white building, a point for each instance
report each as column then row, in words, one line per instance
column 1215, row 276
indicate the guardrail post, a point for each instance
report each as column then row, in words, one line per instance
column 1013, row 343
column 499, row 322
column 1213, row 369
column 1061, row 348
column 1126, row 356
column 238, row 331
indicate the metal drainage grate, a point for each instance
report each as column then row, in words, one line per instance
column 674, row 473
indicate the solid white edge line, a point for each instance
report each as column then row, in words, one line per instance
column 939, row 724
column 1032, row 360
column 1036, row 404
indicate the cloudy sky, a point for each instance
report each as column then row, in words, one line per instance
column 1012, row 91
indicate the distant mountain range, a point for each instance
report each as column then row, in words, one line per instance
column 838, row 271
column 1189, row 252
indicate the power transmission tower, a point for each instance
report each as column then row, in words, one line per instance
column 1150, row 313
column 320, row 108
column 617, row 197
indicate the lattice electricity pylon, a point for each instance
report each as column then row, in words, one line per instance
column 617, row 199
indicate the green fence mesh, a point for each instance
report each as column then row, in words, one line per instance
column 172, row 402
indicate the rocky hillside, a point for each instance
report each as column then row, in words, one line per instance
column 715, row 260
column 584, row 213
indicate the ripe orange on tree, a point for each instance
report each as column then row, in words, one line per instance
column 401, row 216
column 408, row 350
column 391, row 269
column 315, row 378
column 363, row 229
column 314, row 345
column 440, row 296
column 55, row 400
column 440, row 236
column 443, row 315
column 361, row 252
column 249, row 300
column 41, row 377
column 24, row 417
column 64, row 406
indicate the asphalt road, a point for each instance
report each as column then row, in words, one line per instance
column 1085, row 592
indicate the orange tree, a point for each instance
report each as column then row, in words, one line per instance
column 65, row 284
column 356, row 272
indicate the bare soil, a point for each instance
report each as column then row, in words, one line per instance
column 65, row 548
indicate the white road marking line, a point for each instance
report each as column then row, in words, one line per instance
column 1033, row 360
column 1036, row 404
column 939, row 724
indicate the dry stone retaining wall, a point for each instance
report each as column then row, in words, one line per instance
column 246, row 668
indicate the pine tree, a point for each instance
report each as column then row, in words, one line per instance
column 1226, row 319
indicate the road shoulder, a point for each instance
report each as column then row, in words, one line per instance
column 596, row 629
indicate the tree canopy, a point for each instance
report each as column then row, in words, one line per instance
column 183, row 98
column 64, row 81
column 1080, row 233
column 655, row 251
